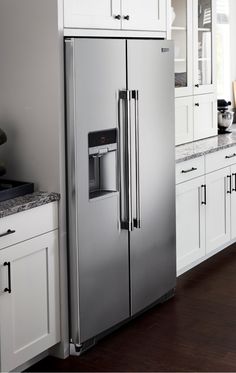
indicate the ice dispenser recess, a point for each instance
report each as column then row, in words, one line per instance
column 102, row 163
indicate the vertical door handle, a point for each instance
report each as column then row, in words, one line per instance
column 127, row 222
column 234, row 188
column 137, row 220
column 204, row 201
column 8, row 265
column 229, row 191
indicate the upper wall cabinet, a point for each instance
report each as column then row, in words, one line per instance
column 203, row 41
column 116, row 14
column 92, row 14
column 192, row 28
column 144, row 15
column 181, row 33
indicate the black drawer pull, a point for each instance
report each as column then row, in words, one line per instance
column 230, row 156
column 204, row 187
column 230, row 184
column 187, row 171
column 8, row 265
column 234, row 188
column 7, row 233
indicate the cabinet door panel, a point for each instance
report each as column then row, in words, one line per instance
column 205, row 116
column 182, row 33
column 92, row 14
column 233, row 203
column 30, row 313
column 217, row 209
column 183, row 120
column 143, row 15
column 204, row 21
column 190, row 222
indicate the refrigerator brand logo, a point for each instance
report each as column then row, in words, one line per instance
column 165, row 50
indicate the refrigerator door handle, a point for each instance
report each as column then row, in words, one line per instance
column 126, row 211
column 137, row 220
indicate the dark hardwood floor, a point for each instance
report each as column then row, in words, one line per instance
column 193, row 332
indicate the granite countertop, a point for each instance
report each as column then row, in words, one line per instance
column 199, row 148
column 27, row 202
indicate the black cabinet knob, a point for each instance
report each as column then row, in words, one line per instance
column 126, row 18
column 117, row 17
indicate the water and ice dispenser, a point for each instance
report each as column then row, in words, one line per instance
column 103, row 148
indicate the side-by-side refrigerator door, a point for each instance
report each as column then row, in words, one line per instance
column 152, row 243
column 98, row 248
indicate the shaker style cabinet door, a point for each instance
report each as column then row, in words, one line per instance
column 183, row 120
column 233, row 203
column 29, row 300
column 218, row 209
column 144, row 15
column 190, row 222
column 205, row 116
column 92, row 14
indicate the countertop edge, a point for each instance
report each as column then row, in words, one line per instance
column 213, row 148
column 27, row 202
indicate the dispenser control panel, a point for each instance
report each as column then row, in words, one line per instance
column 102, row 138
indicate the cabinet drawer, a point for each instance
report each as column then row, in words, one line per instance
column 220, row 159
column 190, row 169
column 27, row 224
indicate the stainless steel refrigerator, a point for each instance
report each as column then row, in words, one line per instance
column 121, row 181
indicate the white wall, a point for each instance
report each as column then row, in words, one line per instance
column 30, row 88
column 32, row 107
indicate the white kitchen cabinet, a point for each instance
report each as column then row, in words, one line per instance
column 181, row 31
column 184, row 120
column 204, row 31
column 190, row 222
column 193, row 28
column 29, row 299
column 195, row 118
column 205, row 116
column 218, row 179
column 218, row 201
column 144, row 15
column 116, row 14
column 92, row 14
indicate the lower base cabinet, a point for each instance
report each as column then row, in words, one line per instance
column 29, row 299
column 205, row 211
column 190, row 222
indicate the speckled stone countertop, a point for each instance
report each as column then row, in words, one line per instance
column 198, row 148
column 27, row 202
